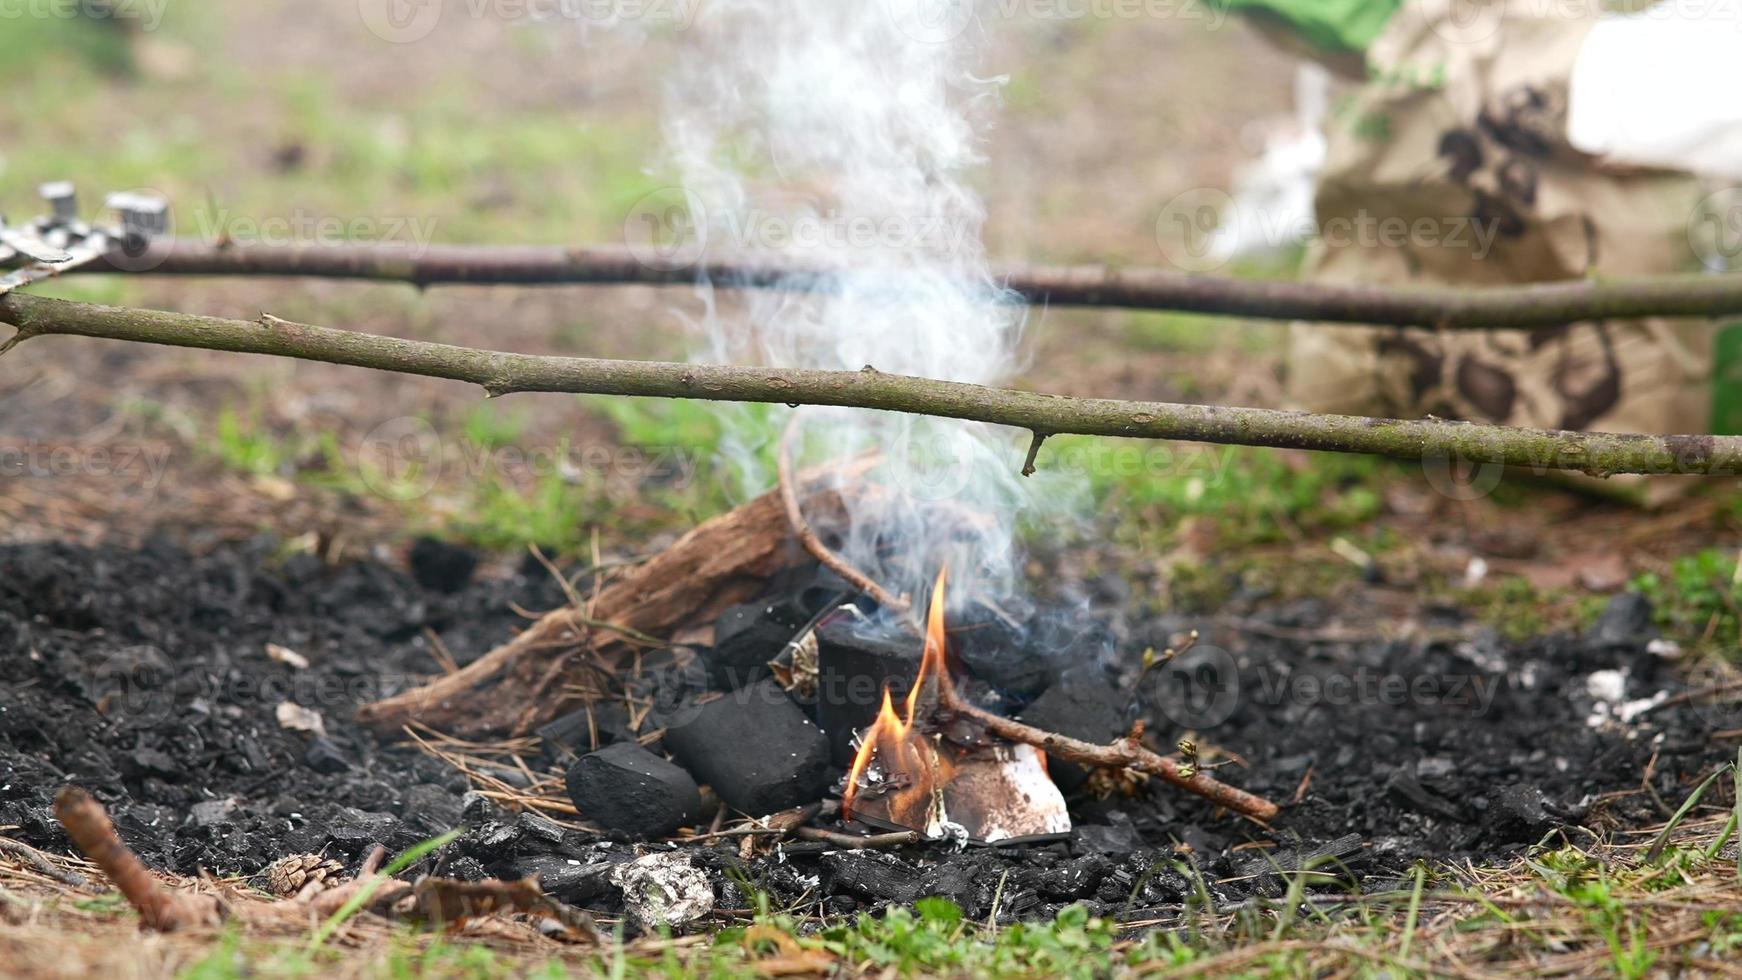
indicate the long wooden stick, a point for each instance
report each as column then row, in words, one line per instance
column 501, row 373
column 1526, row 306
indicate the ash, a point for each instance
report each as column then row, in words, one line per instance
column 143, row 675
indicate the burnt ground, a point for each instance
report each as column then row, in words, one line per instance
column 143, row 674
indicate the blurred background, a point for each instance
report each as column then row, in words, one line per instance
column 279, row 122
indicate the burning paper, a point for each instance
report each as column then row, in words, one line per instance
column 917, row 770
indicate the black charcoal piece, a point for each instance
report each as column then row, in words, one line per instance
column 569, row 879
column 1082, row 704
column 352, row 831
column 1519, row 812
column 754, row 747
column 746, row 638
column 575, row 733
column 1017, row 664
column 1625, row 621
column 441, row 567
column 324, row 756
column 854, row 664
column 625, row 788
column 872, row 874
column 430, row 810
column 1406, row 790
column 809, row 589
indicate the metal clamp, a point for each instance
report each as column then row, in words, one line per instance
column 59, row 241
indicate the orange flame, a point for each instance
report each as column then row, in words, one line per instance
column 891, row 740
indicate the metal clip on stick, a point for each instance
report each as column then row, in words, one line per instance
column 59, row 241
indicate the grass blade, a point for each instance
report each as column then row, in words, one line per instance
column 1653, row 852
column 1414, row 912
column 405, row 860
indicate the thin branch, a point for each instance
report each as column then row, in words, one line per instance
column 1034, row 442
column 807, row 536
column 40, row 863
column 1527, row 306
column 159, row 908
column 501, row 373
column 1126, row 753
column 899, row 838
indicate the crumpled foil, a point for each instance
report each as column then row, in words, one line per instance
column 663, row 889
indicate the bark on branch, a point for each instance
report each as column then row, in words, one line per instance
column 1536, row 305
column 501, row 373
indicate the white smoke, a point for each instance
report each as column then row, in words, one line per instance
column 839, row 133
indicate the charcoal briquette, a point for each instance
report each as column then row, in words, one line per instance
column 755, row 747
column 1081, row 704
column 625, row 788
column 746, row 638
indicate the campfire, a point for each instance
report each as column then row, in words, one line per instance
column 945, row 776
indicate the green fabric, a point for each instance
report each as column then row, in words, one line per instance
column 1727, row 381
column 1334, row 25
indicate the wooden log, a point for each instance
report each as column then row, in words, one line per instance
column 554, row 666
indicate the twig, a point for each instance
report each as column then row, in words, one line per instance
column 1123, row 754
column 1035, row 439
column 807, row 536
column 1536, row 305
column 159, row 908
column 1126, row 753
column 899, row 838
column 501, row 373
column 40, row 863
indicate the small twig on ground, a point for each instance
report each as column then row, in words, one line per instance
column 159, row 908
column 41, row 864
column 1126, row 753
column 857, row 842
column 807, row 536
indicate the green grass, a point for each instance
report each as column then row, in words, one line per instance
column 406, row 165
column 1254, row 496
column 1699, row 598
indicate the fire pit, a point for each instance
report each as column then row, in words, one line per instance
column 946, row 776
